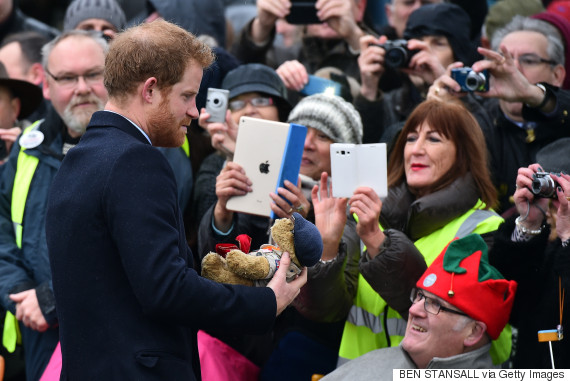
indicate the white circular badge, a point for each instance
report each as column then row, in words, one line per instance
column 430, row 280
column 31, row 139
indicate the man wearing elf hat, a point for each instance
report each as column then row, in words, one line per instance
column 460, row 304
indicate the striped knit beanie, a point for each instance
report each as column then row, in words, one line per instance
column 80, row 10
column 331, row 115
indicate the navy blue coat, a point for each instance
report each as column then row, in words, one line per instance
column 128, row 301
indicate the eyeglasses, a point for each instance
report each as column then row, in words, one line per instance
column 255, row 102
column 532, row 60
column 430, row 304
column 71, row 80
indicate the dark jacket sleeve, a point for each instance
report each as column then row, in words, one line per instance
column 13, row 274
column 248, row 51
column 394, row 272
column 205, row 186
column 372, row 115
column 557, row 120
column 522, row 262
column 174, row 290
column 331, row 286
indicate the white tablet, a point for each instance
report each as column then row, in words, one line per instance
column 270, row 153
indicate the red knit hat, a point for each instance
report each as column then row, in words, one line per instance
column 462, row 276
column 560, row 21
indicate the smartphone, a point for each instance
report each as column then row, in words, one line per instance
column 318, row 85
column 303, row 12
column 358, row 165
column 217, row 104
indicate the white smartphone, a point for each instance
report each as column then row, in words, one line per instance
column 358, row 165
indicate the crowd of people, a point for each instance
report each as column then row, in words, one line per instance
column 115, row 182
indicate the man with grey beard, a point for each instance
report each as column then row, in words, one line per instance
column 74, row 63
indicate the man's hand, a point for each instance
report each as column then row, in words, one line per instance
column 285, row 292
column 293, row 74
column 28, row 310
column 339, row 15
column 268, row 11
column 10, row 135
column 371, row 65
column 445, row 88
column 424, row 64
column 507, row 82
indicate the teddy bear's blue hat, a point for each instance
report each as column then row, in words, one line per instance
column 307, row 240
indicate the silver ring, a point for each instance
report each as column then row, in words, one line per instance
column 290, row 210
column 300, row 208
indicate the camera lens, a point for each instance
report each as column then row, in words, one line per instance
column 396, row 57
column 543, row 186
column 216, row 101
column 474, row 80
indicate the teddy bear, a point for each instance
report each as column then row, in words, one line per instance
column 299, row 237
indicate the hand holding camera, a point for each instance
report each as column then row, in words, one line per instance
column 218, row 122
column 371, row 65
column 397, row 55
column 531, row 208
column 470, row 80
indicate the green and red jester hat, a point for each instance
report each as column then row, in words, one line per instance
column 462, row 276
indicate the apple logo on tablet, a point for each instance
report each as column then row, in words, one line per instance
column 264, row 167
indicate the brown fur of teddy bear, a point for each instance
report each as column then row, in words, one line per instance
column 241, row 268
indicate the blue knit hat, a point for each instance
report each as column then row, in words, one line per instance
column 307, row 240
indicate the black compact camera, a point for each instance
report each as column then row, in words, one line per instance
column 543, row 185
column 470, row 80
column 397, row 53
column 303, row 12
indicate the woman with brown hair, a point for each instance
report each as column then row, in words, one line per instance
column 439, row 188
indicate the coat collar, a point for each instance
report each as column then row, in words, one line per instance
column 111, row 119
column 420, row 217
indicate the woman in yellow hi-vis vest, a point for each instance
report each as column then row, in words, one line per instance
column 439, row 188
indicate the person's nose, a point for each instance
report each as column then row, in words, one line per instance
column 418, row 147
column 193, row 112
column 417, row 309
column 249, row 109
column 309, row 141
column 82, row 86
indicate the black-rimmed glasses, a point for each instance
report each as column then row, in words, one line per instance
column 71, row 80
column 532, row 60
column 431, row 305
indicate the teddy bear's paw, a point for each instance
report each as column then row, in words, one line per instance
column 246, row 265
column 215, row 267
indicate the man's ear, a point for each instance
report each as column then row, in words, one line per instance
column 149, row 90
column 559, row 75
column 478, row 330
column 36, row 74
column 45, row 88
